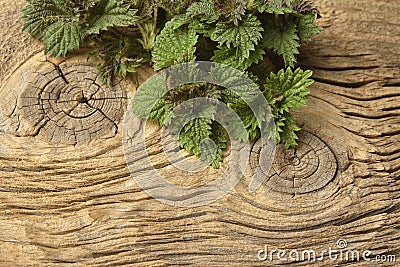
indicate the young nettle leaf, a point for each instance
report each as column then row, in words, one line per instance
column 107, row 14
column 208, row 142
column 161, row 113
column 174, row 7
column 201, row 28
column 287, row 130
column 61, row 38
column 204, row 10
column 39, row 15
column 243, row 37
column 255, row 57
column 278, row 7
column 281, row 37
column 193, row 133
column 249, row 121
column 306, row 27
column 288, row 89
column 212, row 152
column 232, row 10
column 255, row 37
column 236, row 84
column 228, row 56
column 149, row 94
column 174, row 45
column 305, row 7
column 192, row 124
column 284, row 91
column 119, row 54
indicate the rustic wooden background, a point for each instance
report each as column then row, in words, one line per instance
column 67, row 198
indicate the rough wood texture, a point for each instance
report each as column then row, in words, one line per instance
column 74, row 203
column 69, row 104
column 309, row 167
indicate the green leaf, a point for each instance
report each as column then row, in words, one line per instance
column 277, row 7
column 174, row 46
column 237, row 43
column 306, row 27
column 236, row 84
column 233, row 57
column 287, row 133
column 200, row 27
column 212, row 152
column 244, row 36
column 205, row 138
column 284, row 91
column 177, row 22
column 249, row 120
column 287, row 89
column 61, row 38
column 204, row 10
column 193, row 133
column 160, row 113
column 232, row 10
column 174, row 7
column 200, row 134
column 110, row 13
column 146, row 99
column 283, row 40
column 118, row 54
column 227, row 56
column 254, row 57
column 39, row 15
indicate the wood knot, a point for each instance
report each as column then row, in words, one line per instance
column 309, row 167
column 69, row 104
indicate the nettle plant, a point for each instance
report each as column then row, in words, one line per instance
column 259, row 37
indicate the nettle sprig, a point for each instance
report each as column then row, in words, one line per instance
column 109, row 26
column 259, row 37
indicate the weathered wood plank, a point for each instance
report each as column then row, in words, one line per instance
column 75, row 205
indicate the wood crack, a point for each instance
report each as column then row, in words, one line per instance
column 70, row 105
column 351, row 85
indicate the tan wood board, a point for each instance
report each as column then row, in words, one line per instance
column 67, row 197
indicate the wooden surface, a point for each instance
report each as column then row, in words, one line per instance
column 67, row 197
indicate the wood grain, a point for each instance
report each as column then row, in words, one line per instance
column 76, row 204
